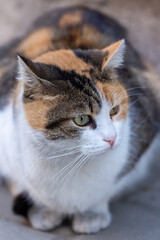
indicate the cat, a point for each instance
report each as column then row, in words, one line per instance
column 78, row 112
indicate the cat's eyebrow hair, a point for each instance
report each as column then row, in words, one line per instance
column 79, row 84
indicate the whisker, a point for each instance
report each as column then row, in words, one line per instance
column 70, row 166
column 142, row 121
column 73, row 171
column 66, row 149
column 133, row 103
column 135, row 94
column 88, row 157
column 129, row 89
column 64, row 169
column 126, row 90
column 53, row 157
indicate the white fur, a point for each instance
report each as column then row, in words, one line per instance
column 24, row 72
column 32, row 163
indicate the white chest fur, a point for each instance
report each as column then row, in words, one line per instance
column 21, row 162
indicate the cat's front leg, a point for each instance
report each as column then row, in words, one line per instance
column 44, row 219
column 40, row 217
column 92, row 221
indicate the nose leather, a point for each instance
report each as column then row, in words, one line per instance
column 110, row 140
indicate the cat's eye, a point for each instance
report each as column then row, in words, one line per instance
column 114, row 111
column 82, row 120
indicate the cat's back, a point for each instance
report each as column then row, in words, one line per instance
column 71, row 27
column 64, row 28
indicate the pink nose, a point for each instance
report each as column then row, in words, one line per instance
column 110, row 140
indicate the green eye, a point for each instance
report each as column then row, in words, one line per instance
column 82, row 120
column 114, row 111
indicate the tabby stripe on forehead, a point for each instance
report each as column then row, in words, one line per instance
column 74, row 78
column 76, row 82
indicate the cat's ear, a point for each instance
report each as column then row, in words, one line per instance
column 28, row 72
column 114, row 55
column 31, row 74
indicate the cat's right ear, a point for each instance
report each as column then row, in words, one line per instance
column 34, row 86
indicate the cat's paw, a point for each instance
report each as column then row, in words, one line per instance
column 90, row 222
column 44, row 219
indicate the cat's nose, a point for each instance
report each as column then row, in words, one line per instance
column 110, row 140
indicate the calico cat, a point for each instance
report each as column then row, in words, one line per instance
column 75, row 121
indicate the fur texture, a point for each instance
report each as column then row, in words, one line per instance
column 70, row 69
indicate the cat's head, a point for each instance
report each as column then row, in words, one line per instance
column 76, row 95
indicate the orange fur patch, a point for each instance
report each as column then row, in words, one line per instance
column 115, row 94
column 70, row 19
column 36, row 43
column 36, row 113
column 66, row 60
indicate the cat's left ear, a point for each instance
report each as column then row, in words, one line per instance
column 114, row 55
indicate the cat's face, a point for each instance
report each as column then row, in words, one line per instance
column 76, row 95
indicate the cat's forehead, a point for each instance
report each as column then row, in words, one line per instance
column 80, row 66
column 66, row 60
column 85, row 66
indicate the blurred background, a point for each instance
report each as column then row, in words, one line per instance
column 140, row 17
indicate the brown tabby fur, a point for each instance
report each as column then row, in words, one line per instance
column 78, row 28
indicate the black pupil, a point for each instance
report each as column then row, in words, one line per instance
column 82, row 118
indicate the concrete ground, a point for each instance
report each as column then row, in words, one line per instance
column 134, row 218
column 138, row 216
